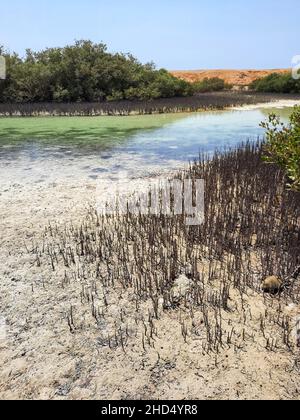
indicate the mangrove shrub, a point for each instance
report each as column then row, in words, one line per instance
column 85, row 72
column 283, row 146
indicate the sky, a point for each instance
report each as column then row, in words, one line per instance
column 175, row 34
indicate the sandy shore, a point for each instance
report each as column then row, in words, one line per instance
column 40, row 358
column 278, row 104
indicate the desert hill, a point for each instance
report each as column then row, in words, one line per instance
column 233, row 77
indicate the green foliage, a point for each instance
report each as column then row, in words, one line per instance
column 283, row 146
column 85, row 72
column 277, row 83
column 214, row 84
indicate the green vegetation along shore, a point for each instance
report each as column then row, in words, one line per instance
column 276, row 83
column 85, row 72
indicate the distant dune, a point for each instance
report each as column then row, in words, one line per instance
column 234, row 77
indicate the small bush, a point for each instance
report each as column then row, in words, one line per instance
column 276, row 83
column 214, row 84
column 283, row 146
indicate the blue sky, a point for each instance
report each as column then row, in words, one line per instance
column 185, row 34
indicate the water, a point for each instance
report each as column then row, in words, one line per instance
column 46, row 150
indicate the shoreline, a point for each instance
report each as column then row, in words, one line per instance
column 36, row 302
column 201, row 103
column 279, row 104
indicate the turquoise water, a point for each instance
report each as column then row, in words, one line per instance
column 43, row 149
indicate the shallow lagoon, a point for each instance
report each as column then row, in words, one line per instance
column 42, row 150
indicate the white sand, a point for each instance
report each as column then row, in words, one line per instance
column 280, row 104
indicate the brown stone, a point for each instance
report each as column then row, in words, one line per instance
column 271, row 284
